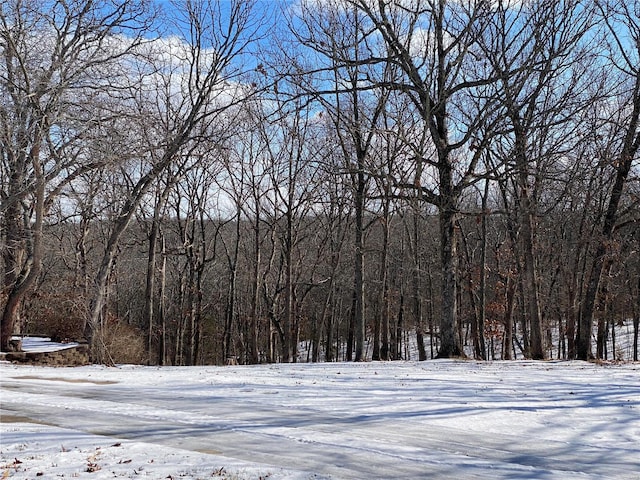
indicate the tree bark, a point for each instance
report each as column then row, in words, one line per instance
column 636, row 321
column 381, row 328
column 449, row 332
column 530, row 279
column 25, row 258
column 358, row 287
column 482, row 313
column 507, row 347
column 150, row 287
column 254, row 356
column 417, row 284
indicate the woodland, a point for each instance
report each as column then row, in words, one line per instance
column 236, row 181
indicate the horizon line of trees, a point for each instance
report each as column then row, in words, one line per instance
column 225, row 181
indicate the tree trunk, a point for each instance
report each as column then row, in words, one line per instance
column 254, row 355
column 197, row 320
column 527, row 239
column 381, row 334
column 508, row 320
column 230, row 312
column 636, row 321
column 149, row 303
column 417, row 285
column 482, row 307
column 13, row 256
column 433, row 339
column 150, row 285
column 449, row 335
column 603, row 322
column 477, row 331
column 162, row 316
column 288, row 321
column 531, row 299
column 93, row 323
column 359, row 320
column 23, row 252
column 397, row 350
column 377, row 321
column 328, row 322
column 10, row 317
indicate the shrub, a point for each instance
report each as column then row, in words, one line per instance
column 55, row 315
column 118, row 342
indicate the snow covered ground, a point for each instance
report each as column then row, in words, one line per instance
column 435, row 420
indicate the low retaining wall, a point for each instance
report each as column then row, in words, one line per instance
column 67, row 357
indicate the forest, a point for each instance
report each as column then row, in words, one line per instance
column 246, row 181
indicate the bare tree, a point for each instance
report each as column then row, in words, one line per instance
column 535, row 49
column 293, row 173
column 335, row 34
column 58, row 60
column 216, row 35
column 636, row 320
column 162, row 191
column 433, row 44
column 622, row 23
column 248, row 179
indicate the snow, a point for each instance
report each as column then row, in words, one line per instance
column 43, row 344
column 434, row 419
